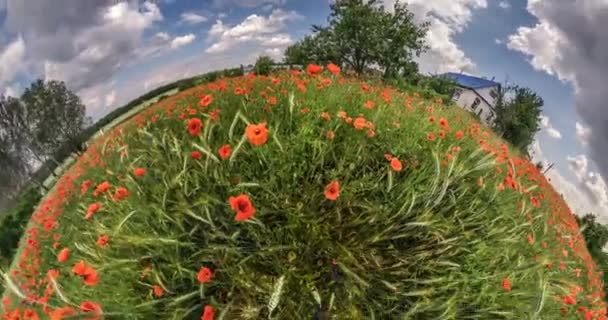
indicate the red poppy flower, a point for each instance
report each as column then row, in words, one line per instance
column 443, row 122
column 196, row 155
column 194, row 126
column 431, row 119
column 62, row 313
column 325, row 116
column 458, row 135
column 92, row 209
column 388, row 156
column 30, row 314
column 430, row 136
column 158, row 291
column 330, row 135
column 272, row 100
column 225, row 151
column 332, row 190
column 103, row 187
column 371, row 133
column 569, row 300
column 63, row 255
column 506, row 284
column 88, row 274
column 208, row 313
column 121, row 193
column 139, row 172
column 91, row 307
column 396, row 165
column 257, row 134
column 204, row 275
column 102, row 240
column 369, row 105
column 333, row 68
column 360, row 123
column 205, row 100
column 314, row 69
column 243, row 207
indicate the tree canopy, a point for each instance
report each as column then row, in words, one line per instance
column 518, row 111
column 361, row 35
column 47, row 117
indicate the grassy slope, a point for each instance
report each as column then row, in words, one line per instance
column 465, row 234
column 50, row 181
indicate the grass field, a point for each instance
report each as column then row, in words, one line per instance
column 302, row 196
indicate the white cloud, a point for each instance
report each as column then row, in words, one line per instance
column 448, row 18
column 162, row 36
column 192, row 18
column 182, row 41
column 110, row 98
column 222, row 15
column 504, row 5
column 256, row 31
column 554, row 133
column 569, row 42
column 246, row 3
column 545, row 124
column 586, row 194
column 12, row 60
column 583, row 133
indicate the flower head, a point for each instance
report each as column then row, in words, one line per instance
column 225, row 151
column 243, row 207
column 92, row 209
column 257, row 134
column 332, row 190
column 138, row 172
column 63, row 255
column 158, row 291
column 196, row 155
column 194, row 126
column 204, row 275
column 333, row 68
column 396, row 164
column 208, row 313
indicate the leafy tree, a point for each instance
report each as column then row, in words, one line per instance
column 55, row 116
column 361, row 35
column 401, row 40
column 596, row 237
column 263, row 65
column 518, row 112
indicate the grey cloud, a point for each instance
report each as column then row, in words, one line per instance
column 575, row 33
column 83, row 42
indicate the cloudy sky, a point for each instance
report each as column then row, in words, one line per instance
column 111, row 51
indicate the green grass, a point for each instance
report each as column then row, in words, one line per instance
column 50, row 181
column 433, row 241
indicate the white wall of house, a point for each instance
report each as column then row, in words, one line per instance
column 471, row 101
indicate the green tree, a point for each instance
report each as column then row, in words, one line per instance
column 518, row 111
column 263, row 65
column 361, row 35
column 55, row 116
column 596, row 237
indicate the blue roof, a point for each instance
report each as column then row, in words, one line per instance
column 470, row 81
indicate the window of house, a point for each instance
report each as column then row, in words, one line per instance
column 457, row 94
column 493, row 94
column 490, row 116
column 475, row 103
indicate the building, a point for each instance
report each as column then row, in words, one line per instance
column 476, row 95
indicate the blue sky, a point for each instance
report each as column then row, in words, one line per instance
column 110, row 53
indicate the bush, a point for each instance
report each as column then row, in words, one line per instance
column 13, row 222
column 263, row 65
column 307, row 197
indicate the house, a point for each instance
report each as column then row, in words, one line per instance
column 476, row 95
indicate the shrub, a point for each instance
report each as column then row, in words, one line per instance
column 302, row 197
column 263, row 65
column 14, row 221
